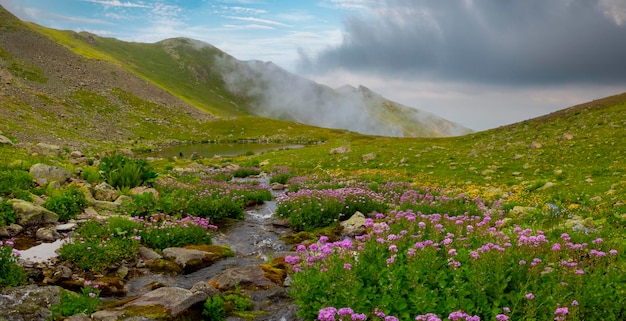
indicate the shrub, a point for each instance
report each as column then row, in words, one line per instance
column 214, row 309
column 11, row 273
column 120, row 171
column 67, row 203
column 91, row 175
column 246, row 171
column 141, row 205
column 161, row 231
column 310, row 209
column 7, row 214
column 14, row 180
column 95, row 246
column 411, row 264
column 73, row 303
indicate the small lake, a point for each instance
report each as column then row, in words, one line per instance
column 221, row 149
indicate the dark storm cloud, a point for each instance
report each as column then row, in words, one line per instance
column 485, row 41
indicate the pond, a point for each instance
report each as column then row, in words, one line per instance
column 221, row 149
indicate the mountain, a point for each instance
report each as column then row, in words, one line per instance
column 202, row 76
column 274, row 92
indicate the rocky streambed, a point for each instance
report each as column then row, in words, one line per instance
column 247, row 257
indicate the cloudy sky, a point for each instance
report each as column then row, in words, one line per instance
column 482, row 63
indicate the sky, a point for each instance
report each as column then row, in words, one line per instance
column 481, row 63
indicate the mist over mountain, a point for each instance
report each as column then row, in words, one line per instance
column 276, row 93
column 197, row 74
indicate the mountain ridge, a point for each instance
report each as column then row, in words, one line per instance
column 201, row 75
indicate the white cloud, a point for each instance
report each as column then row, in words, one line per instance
column 253, row 19
column 247, row 27
column 117, row 3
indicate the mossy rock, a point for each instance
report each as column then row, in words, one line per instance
column 164, row 266
column 218, row 250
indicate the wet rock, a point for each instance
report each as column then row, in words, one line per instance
column 122, row 272
column 44, row 174
column 47, row 234
column 247, row 277
column 105, row 192
column 107, row 315
column 368, row 157
column 30, row 214
column 163, row 266
column 10, row 230
column 28, row 303
column 205, row 288
column 79, row 317
column 5, row 141
column 174, row 300
column 148, row 254
column 354, row 226
column 339, row 150
column 189, row 259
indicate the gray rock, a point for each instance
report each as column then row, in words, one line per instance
column 49, row 149
column 566, row 136
column 175, row 300
column 76, row 154
column 28, row 303
column 368, row 157
column 107, row 315
column 139, row 190
column 79, row 317
column 339, row 150
column 5, row 141
column 10, row 230
column 30, row 214
column 65, row 227
column 44, row 174
column 148, row 254
column 205, row 287
column 105, row 192
column 278, row 187
column 189, row 259
column 248, row 277
column 355, row 225
column 47, row 234
column 535, row 145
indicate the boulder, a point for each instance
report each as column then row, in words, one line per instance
column 5, row 141
column 205, row 287
column 44, row 174
column 148, row 254
column 28, row 303
column 247, row 277
column 47, row 234
column 368, row 157
column 174, row 300
column 339, row 150
column 139, row 190
column 354, row 226
column 189, row 259
column 105, row 192
column 10, row 230
column 30, row 214
column 76, row 154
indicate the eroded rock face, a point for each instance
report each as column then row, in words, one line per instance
column 28, row 303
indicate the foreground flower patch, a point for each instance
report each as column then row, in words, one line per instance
column 416, row 266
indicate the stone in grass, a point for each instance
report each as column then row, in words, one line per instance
column 354, row 226
column 44, row 174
